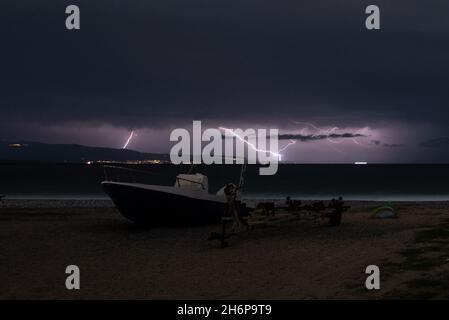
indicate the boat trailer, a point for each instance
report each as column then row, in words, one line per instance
column 267, row 214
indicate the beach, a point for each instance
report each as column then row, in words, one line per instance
column 119, row 260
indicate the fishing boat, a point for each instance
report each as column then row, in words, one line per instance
column 186, row 203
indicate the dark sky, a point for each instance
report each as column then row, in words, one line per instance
column 305, row 67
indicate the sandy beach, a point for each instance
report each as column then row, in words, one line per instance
column 297, row 261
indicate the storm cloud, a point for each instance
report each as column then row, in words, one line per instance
column 436, row 143
column 314, row 137
column 155, row 65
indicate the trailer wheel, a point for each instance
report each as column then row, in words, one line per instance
column 335, row 219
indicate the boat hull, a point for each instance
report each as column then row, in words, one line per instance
column 155, row 208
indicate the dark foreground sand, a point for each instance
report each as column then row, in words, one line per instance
column 296, row 261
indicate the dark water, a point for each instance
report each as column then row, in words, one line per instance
column 367, row 182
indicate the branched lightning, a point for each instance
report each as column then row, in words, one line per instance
column 292, row 142
column 252, row 146
column 327, row 132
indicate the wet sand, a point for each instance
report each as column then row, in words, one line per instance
column 296, row 261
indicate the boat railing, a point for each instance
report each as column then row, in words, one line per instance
column 124, row 174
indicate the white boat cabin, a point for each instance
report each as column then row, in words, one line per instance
column 196, row 181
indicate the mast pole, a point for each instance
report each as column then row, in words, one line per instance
column 242, row 181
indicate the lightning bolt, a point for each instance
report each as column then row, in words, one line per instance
column 252, row 146
column 131, row 136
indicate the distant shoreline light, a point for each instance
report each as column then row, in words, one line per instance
column 360, row 162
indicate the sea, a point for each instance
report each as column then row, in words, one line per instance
column 376, row 182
